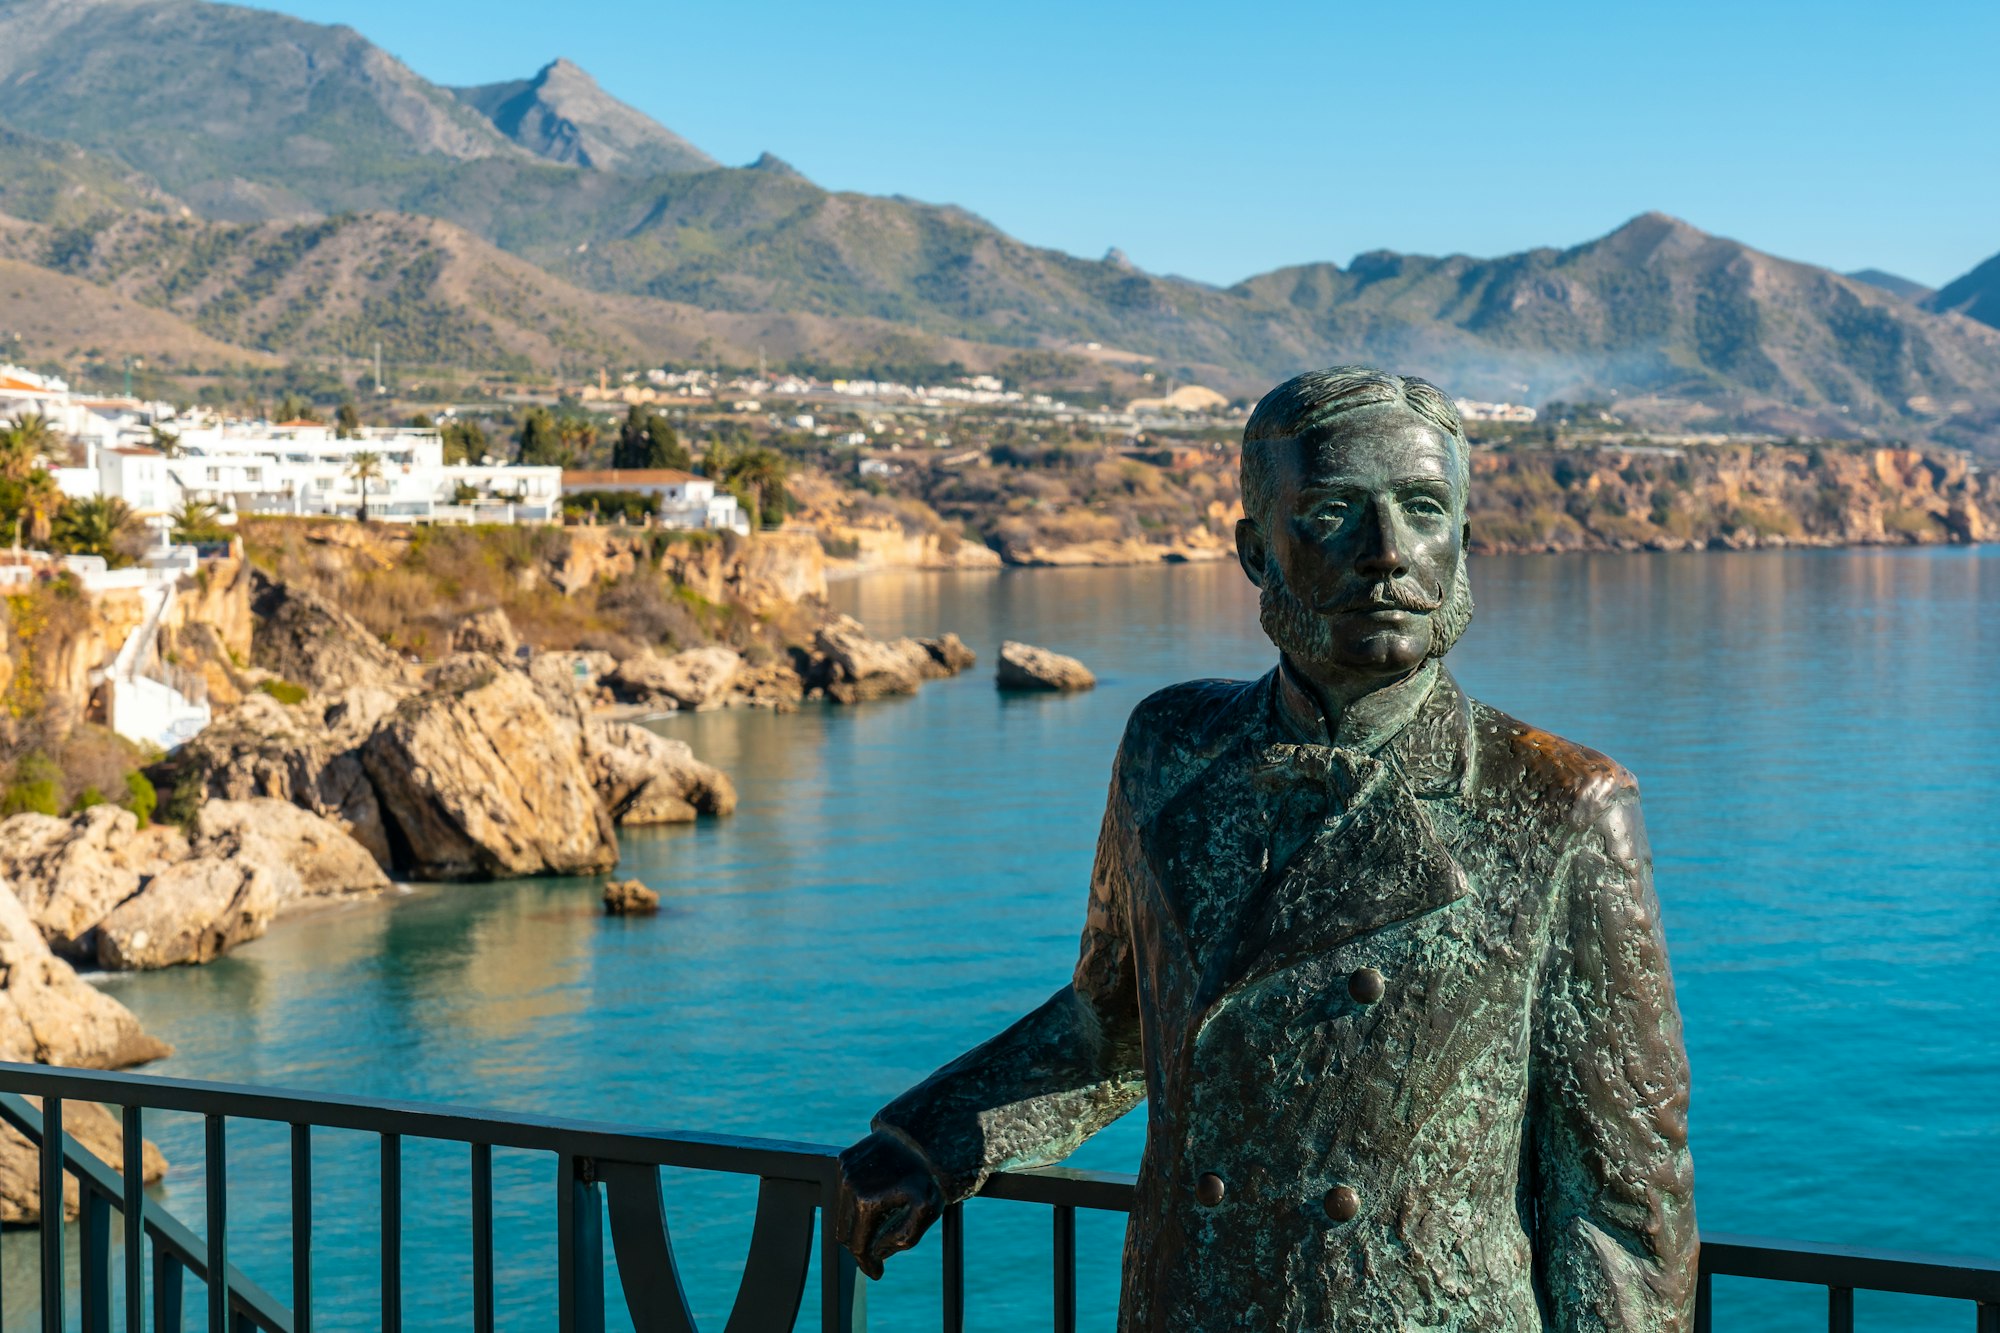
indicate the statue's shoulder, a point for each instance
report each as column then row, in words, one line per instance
column 1569, row 781
column 1184, row 727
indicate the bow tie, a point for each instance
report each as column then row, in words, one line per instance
column 1344, row 778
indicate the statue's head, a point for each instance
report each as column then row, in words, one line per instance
column 1354, row 494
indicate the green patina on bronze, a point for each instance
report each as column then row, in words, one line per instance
column 1385, row 965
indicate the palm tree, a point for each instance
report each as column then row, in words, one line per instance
column 166, row 441
column 364, row 467
column 196, row 522
column 35, row 432
column 22, row 445
column 100, row 525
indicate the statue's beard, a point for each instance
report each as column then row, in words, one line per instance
column 1303, row 634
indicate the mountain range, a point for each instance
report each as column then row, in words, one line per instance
column 291, row 189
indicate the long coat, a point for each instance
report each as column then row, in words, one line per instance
column 1400, row 1010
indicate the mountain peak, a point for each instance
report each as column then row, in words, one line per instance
column 1893, row 283
column 563, row 115
column 768, row 161
column 1976, row 295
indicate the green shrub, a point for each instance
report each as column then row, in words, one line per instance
column 35, row 788
column 140, row 797
column 22, row 798
column 86, row 798
column 284, row 691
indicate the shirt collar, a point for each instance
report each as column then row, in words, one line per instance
column 1423, row 723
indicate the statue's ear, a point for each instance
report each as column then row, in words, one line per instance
column 1251, row 551
column 1465, row 536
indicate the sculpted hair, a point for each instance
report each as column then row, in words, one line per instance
column 1310, row 401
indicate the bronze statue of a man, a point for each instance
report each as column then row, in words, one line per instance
column 1385, row 964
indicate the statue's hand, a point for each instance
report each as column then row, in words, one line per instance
column 888, row 1199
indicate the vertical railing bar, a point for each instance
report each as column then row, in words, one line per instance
column 135, row 1220
column 302, row 1228
column 218, row 1223
column 1065, row 1255
column 843, row 1301
column 954, row 1269
column 1989, row 1317
column 52, row 1215
column 579, row 1246
column 167, row 1276
column 482, row 1238
column 94, row 1255
column 392, row 1233
column 1840, row 1310
column 1704, row 1300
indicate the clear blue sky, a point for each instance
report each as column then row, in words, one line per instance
column 1220, row 140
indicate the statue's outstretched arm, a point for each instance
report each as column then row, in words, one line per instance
column 1029, row 1096
column 1615, row 1231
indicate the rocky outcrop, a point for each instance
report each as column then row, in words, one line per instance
column 775, row 685
column 949, row 655
column 309, row 641
column 49, row 1015
column 198, row 909
column 772, row 571
column 852, row 666
column 69, row 873
column 697, row 679
column 207, row 630
column 645, row 778
column 96, row 1130
column 1726, row 496
column 99, row 888
column 1026, row 667
column 295, row 754
column 581, row 673
column 483, row 781
column 846, row 664
column 628, row 897
column 489, row 632
column 323, row 861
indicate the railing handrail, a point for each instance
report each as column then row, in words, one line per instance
column 735, row 1154
column 1839, row 1268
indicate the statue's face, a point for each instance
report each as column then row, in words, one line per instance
column 1362, row 546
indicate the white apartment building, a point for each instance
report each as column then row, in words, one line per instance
column 682, row 499
column 305, row 468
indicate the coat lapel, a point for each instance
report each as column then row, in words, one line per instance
column 1366, row 857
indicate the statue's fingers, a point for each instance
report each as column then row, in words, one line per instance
column 902, row 1229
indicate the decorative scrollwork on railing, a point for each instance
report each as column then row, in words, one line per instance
column 774, row 1274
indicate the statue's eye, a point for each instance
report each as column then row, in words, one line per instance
column 1332, row 513
column 1426, row 505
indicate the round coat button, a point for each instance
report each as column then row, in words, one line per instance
column 1342, row 1203
column 1209, row 1190
column 1366, row 985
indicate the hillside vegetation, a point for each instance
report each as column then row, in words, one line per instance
column 315, row 123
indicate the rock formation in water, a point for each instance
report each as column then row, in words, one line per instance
column 628, row 897
column 49, row 1015
column 99, row 889
column 1026, row 667
column 481, row 781
column 645, row 778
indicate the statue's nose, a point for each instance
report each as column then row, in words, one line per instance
column 1382, row 556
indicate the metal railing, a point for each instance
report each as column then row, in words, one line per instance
column 610, row 1170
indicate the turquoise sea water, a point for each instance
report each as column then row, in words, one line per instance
column 1818, row 740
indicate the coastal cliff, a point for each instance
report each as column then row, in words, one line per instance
column 1736, row 497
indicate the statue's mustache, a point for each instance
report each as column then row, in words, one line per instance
column 1389, row 595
